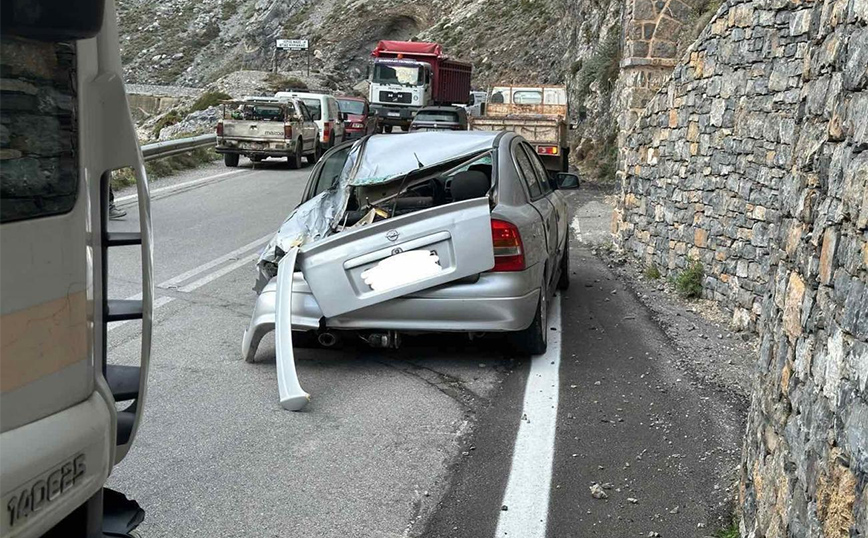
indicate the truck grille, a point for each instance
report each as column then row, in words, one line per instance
column 395, row 97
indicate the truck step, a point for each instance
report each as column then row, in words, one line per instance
column 122, row 239
column 124, row 309
column 123, row 381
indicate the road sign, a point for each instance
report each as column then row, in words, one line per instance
column 292, row 44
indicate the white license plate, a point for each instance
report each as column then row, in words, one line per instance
column 394, row 114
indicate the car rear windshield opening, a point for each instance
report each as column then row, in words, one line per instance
column 352, row 107
column 438, row 116
column 315, row 108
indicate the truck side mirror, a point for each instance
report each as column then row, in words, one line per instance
column 567, row 181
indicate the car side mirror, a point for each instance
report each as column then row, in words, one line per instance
column 566, row 180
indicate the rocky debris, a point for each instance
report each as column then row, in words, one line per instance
column 597, row 491
column 198, row 122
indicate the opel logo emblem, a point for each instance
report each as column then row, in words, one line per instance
column 392, row 235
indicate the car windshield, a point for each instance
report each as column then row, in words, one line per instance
column 314, row 106
column 351, row 106
column 437, row 115
column 406, row 75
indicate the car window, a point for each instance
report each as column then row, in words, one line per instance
column 437, row 115
column 527, row 97
column 39, row 176
column 305, row 112
column 541, row 172
column 333, row 109
column 314, row 105
column 527, row 172
column 331, row 169
column 351, row 106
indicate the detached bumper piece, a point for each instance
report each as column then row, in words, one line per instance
column 292, row 396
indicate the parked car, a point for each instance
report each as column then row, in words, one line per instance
column 359, row 120
column 440, row 118
column 425, row 232
column 326, row 114
column 259, row 129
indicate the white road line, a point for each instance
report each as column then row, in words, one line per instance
column 174, row 281
column 527, row 492
column 179, row 186
column 206, row 279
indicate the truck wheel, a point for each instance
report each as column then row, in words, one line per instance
column 405, row 128
column 387, row 129
column 230, row 159
column 295, row 159
column 534, row 339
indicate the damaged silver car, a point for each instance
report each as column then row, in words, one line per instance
column 423, row 232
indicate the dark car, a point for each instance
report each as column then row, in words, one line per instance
column 440, row 118
column 359, row 121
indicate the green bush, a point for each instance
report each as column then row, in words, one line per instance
column 169, row 118
column 602, row 67
column 209, row 99
column 688, row 283
column 729, row 532
column 652, row 272
column 277, row 82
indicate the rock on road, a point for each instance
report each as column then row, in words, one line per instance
column 413, row 442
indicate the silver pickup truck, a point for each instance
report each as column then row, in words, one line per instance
column 264, row 127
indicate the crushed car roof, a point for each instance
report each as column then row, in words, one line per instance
column 387, row 157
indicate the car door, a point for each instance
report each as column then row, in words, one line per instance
column 394, row 257
column 309, row 129
column 538, row 189
column 558, row 204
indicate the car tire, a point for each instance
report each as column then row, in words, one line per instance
column 257, row 158
column 295, row 160
column 387, row 129
column 405, row 128
column 564, row 279
column 302, row 161
column 317, row 153
column 534, row 339
column 230, row 159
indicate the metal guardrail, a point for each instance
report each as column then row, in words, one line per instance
column 168, row 148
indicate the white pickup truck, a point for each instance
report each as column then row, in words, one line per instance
column 264, row 127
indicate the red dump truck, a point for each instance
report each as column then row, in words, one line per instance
column 408, row 75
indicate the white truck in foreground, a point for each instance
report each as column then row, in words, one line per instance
column 68, row 415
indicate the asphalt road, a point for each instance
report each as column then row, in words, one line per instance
column 415, row 442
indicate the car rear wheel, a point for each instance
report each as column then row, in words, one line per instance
column 295, row 159
column 534, row 339
column 405, row 128
column 230, row 159
column 564, row 279
column 387, row 129
column 317, row 154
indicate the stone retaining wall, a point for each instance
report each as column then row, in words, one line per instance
column 753, row 159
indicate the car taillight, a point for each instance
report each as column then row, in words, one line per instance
column 547, row 150
column 326, row 131
column 287, row 131
column 219, row 128
column 508, row 251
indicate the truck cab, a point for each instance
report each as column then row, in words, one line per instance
column 398, row 89
column 408, row 75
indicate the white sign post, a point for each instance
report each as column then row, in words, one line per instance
column 293, row 45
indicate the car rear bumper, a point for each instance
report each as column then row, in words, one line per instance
column 266, row 149
column 492, row 302
column 394, row 115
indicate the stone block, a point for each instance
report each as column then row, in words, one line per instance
column 793, row 305
column 827, row 255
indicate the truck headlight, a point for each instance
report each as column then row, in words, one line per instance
column 415, row 98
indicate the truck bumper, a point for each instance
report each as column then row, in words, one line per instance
column 264, row 150
column 54, row 465
column 393, row 115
